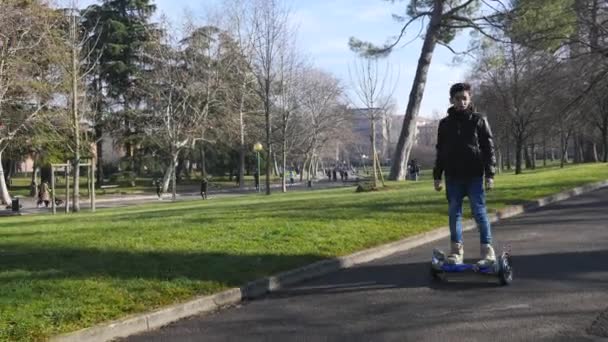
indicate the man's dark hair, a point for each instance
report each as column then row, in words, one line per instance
column 458, row 87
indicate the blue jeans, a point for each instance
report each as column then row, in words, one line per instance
column 456, row 190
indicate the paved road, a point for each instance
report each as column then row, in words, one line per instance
column 560, row 293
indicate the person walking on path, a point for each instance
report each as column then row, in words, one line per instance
column 44, row 195
column 256, row 178
column 159, row 192
column 204, row 187
column 465, row 153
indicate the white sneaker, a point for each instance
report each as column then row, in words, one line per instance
column 456, row 253
column 487, row 255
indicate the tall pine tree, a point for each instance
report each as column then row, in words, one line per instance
column 120, row 29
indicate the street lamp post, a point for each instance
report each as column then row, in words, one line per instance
column 257, row 147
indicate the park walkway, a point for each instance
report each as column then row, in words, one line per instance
column 114, row 201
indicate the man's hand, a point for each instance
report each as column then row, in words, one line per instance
column 489, row 184
column 438, row 185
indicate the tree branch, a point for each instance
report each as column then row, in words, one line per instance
column 458, row 8
column 367, row 48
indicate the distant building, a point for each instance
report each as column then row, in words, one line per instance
column 388, row 129
column 426, row 134
column 361, row 131
column 426, row 130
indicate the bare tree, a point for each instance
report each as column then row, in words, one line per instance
column 24, row 95
column 599, row 117
column 522, row 79
column 76, row 60
column 180, row 91
column 269, row 27
column 290, row 67
column 374, row 87
column 239, row 24
column 322, row 112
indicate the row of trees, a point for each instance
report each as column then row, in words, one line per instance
column 69, row 78
column 543, row 82
column 540, row 65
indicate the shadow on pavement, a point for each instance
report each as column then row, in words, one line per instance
column 561, row 267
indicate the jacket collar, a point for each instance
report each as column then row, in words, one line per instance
column 459, row 114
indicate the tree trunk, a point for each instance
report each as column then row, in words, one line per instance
column 309, row 169
column 284, row 163
column 284, row 159
column 337, row 151
column 276, row 164
column 303, row 167
column 93, row 183
column 204, row 162
column 167, row 178
column 533, row 155
column 575, row 143
column 595, row 154
column 509, row 167
column 544, row 151
column 131, row 155
column 99, row 164
column 519, row 146
column 594, row 26
column 10, row 172
column 4, row 195
column 605, row 144
column 189, row 168
column 408, row 131
column 581, row 150
column 577, row 149
column 76, row 185
column 589, row 150
column 179, row 169
column 34, row 180
column 242, row 149
column 67, row 188
column 75, row 123
column 373, row 142
column 269, row 148
column 98, row 85
column 499, row 160
column 174, row 161
column 527, row 159
column 564, row 148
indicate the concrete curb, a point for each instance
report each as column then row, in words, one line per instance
column 152, row 320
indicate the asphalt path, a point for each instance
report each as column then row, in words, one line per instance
column 116, row 201
column 559, row 292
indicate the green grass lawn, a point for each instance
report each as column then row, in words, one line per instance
column 63, row 273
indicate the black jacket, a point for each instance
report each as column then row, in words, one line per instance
column 465, row 146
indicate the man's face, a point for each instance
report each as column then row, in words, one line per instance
column 461, row 100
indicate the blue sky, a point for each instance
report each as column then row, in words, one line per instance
column 324, row 27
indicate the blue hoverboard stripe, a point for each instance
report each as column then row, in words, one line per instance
column 466, row 267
